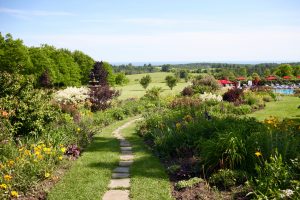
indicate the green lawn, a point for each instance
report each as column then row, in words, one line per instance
column 135, row 90
column 287, row 107
column 90, row 175
column 148, row 177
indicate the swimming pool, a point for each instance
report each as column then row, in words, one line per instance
column 284, row 91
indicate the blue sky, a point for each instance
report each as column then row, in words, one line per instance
column 160, row 30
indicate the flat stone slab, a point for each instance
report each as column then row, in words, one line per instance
column 125, row 144
column 125, row 163
column 116, row 195
column 126, row 152
column 122, row 170
column 120, row 137
column 126, row 157
column 126, row 148
column 119, row 183
column 120, row 175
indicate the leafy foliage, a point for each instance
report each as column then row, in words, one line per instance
column 64, row 67
column 273, row 180
column 171, row 81
column 188, row 183
column 121, row 79
column 233, row 95
column 45, row 79
column 14, row 56
column 145, row 81
column 226, row 178
column 30, row 110
column 101, row 94
column 205, row 84
column 153, row 93
column 187, row 91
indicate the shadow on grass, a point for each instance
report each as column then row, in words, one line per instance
column 101, row 144
column 145, row 163
column 103, row 165
column 137, row 90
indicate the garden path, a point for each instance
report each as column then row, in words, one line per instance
column 120, row 183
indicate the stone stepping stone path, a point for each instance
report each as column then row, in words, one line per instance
column 119, row 185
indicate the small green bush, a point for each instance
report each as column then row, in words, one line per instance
column 242, row 109
column 118, row 113
column 226, row 178
column 273, row 178
column 188, row 183
column 173, row 169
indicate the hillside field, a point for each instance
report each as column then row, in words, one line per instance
column 134, row 89
column 286, row 107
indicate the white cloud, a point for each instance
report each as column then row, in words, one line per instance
column 150, row 21
column 264, row 45
column 30, row 13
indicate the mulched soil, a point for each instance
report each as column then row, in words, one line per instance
column 200, row 191
column 189, row 168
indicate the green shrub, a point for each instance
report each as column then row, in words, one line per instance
column 29, row 109
column 273, row 178
column 173, row 169
column 118, row 114
column 242, row 110
column 226, row 178
column 233, row 95
column 153, row 94
column 188, row 183
column 205, row 84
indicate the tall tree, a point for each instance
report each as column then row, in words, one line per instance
column 284, row 70
column 171, row 81
column 45, row 79
column 14, row 56
column 85, row 64
column 145, row 81
column 101, row 94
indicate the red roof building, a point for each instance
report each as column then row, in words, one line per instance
column 286, row 77
column 224, row 82
column 241, row 78
column 270, row 78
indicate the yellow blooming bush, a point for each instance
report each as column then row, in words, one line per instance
column 32, row 162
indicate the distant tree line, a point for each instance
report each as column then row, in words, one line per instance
column 219, row 70
column 131, row 69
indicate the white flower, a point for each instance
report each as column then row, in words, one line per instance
column 210, row 96
column 286, row 193
column 72, row 95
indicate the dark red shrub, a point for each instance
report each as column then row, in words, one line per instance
column 185, row 102
column 233, row 95
column 45, row 79
column 101, row 96
column 187, row 91
column 73, row 150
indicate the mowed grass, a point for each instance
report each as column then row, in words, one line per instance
column 287, row 107
column 89, row 177
column 134, row 89
column 148, row 177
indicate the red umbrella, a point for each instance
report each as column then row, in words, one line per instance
column 271, row 78
column 241, row 78
column 224, row 82
column 287, row 77
column 298, row 77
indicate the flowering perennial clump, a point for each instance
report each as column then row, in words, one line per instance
column 72, row 95
column 39, row 158
column 210, row 97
